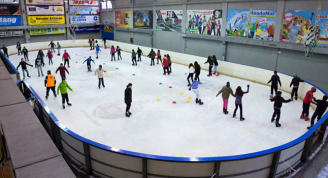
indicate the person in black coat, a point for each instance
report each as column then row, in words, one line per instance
column 278, row 100
column 210, row 62
column 274, row 82
column 320, row 110
column 139, row 52
column 5, row 50
column 128, row 99
column 295, row 83
column 24, row 68
column 197, row 70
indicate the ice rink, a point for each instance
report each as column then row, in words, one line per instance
column 157, row 126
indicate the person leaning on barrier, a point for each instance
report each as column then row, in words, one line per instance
column 320, row 110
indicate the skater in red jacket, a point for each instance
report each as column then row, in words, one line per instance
column 306, row 104
column 66, row 58
column 165, row 65
column 62, row 70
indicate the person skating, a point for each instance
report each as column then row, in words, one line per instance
column 93, row 43
column 62, row 87
column 66, row 58
column 97, row 51
column 25, row 52
column 197, row 70
column 238, row 102
column 216, row 64
column 194, row 88
column 62, row 70
column 170, row 63
column 128, row 99
column 159, row 57
column 39, row 64
column 90, row 43
column 134, row 57
column 278, row 100
column 112, row 53
column 226, row 92
column 50, row 56
column 308, row 99
column 191, row 73
column 118, row 50
column 52, row 46
column 5, row 50
column 104, row 40
column 41, row 54
column 139, row 52
column 275, row 79
column 50, row 84
column 320, row 110
column 58, row 48
column 152, row 56
column 24, row 68
column 165, row 65
column 295, row 83
column 210, row 62
column 19, row 48
column 89, row 60
column 100, row 71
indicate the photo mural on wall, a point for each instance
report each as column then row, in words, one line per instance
column 323, row 37
column 204, row 22
column 123, row 19
column 169, row 20
column 248, row 23
column 143, row 19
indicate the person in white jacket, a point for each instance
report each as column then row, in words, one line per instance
column 191, row 73
column 100, row 71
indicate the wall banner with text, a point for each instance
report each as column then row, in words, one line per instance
column 9, row 9
column 91, row 19
column 46, row 20
column 47, row 31
column 169, row 20
column 83, row 10
column 45, row 10
column 123, row 19
column 204, row 22
column 10, row 20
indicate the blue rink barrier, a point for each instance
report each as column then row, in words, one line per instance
column 92, row 158
column 10, row 67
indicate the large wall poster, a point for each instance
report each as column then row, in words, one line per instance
column 9, row 9
column 45, row 10
column 143, row 19
column 47, row 31
column 123, row 19
column 8, row 34
column 169, row 20
column 323, row 37
column 46, row 20
column 205, row 22
column 10, row 20
column 256, row 24
column 90, row 19
column 44, row 2
column 84, row 10
column 84, row 2
column 9, row 1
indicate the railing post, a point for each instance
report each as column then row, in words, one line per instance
column 88, row 167
column 56, row 136
column 307, row 149
column 216, row 171
column 144, row 168
column 274, row 165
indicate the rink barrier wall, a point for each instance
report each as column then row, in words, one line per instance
column 102, row 160
column 10, row 67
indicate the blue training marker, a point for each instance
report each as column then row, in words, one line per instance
column 104, row 64
column 116, row 68
column 133, row 74
column 160, row 83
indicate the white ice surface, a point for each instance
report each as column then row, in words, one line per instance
column 162, row 128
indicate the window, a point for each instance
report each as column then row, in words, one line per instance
column 106, row 4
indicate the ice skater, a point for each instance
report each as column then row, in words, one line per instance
column 170, row 63
column 275, row 79
column 210, row 62
column 93, row 43
column 295, row 83
column 128, row 99
column 24, row 68
column 105, row 45
column 97, row 51
column 112, row 53
column 90, row 43
column 194, row 88
column 226, row 92
column 58, row 48
column 50, row 84
column 62, row 70
column 89, row 60
column 320, row 110
column 100, row 71
column 165, row 65
column 197, row 70
column 238, row 102
column 41, row 54
column 191, row 73
column 66, row 58
column 159, row 57
column 19, row 48
column 118, row 50
column 278, row 100
column 62, row 87
column 152, row 56
column 39, row 64
column 139, row 52
column 25, row 53
column 308, row 99
column 5, row 50
column 50, row 56
column 134, row 57
column 216, row 64
column 52, row 46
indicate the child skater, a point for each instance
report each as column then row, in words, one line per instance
column 239, row 95
column 139, row 51
column 41, row 54
column 226, row 92
column 210, row 62
column 308, row 99
column 118, row 50
column 19, row 48
column 152, row 56
column 165, row 65
column 66, row 58
column 25, row 53
column 216, row 64
column 128, row 99
column 50, row 84
column 50, row 56
column 52, row 46
column 194, row 88
column 62, row 70
column 295, row 83
column 197, row 70
column 320, row 110
column 134, row 57
column 159, row 57
column 112, row 53
column 89, row 60
column 97, row 51
column 278, row 100
column 58, row 48
column 100, row 71
column 191, row 73
column 24, row 68
column 38, row 64
column 62, row 87
column 170, row 63
column 274, row 83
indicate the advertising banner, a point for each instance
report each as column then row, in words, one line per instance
column 297, row 24
column 47, row 31
column 143, row 19
column 169, row 20
column 123, row 19
column 45, row 10
column 84, row 19
column 9, row 1
column 10, row 20
column 83, row 10
column 204, row 22
column 46, row 20
column 87, row 29
column 44, row 2
column 84, row 2
column 9, row 9
column 256, row 24
column 6, row 34
column 323, row 37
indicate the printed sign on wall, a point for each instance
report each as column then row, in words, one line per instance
column 256, row 24
column 45, row 10
column 9, row 1
column 44, row 2
column 47, row 31
column 6, row 34
column 46, row 20
column 9, row 9
column 83, row 10
column 323, row 37
column 204, row 22
column 143, row 19
column 87, row 29
column 84, row 2
column 169, row 20
column 10, row 20
column 123, row 19
column 84, row 19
